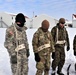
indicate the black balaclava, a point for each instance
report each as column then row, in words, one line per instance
column 20, row 18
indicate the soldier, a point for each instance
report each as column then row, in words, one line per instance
column 60, row 37
column 42, row 47
column 17, row 45
column 74, row 48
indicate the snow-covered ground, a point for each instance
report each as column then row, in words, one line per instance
column 5, row 68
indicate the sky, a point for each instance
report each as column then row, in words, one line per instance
column 52, row 8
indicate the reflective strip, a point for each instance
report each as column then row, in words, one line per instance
column 43, row 47
column 22, row 46
column 61, row 42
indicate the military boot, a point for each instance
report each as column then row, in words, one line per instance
column 59, row 73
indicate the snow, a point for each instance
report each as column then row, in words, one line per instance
column 5, row 68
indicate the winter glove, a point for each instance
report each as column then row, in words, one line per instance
column 68, row 48
column 53, row 55
column 13, row 59
column 37, row 58
column 74, row 53
column 28, row 54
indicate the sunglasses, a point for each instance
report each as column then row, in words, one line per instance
column 62, row 22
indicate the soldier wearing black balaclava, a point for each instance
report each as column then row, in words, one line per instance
column 17, row 46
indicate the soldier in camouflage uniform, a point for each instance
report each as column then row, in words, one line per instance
column 60, row 37
column 17, row 46
column 42, row 47
column 74, row 48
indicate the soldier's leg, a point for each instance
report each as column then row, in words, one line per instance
column 39, row 72
column 13, row 67
column 25, row 65
column 46, row 72
column 40, row 68
column 19, row 64
column 62, row 60
column 47, row 65
column 56, row 60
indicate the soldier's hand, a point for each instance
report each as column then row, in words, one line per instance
column 68, row 48
column 37, row 58
column 53, row 55
column 28, row 54
column 14, row 59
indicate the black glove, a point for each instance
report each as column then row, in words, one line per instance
column 53, row 55
column 68, row 48
column 13, row 59
column 37, row 58
column 28, row 54
column 74, row 53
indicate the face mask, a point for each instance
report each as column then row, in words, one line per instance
column 21, row 25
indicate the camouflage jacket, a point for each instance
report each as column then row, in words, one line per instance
column 74, row 43
column 11, row 41
column 41, row 38
column 60, row 35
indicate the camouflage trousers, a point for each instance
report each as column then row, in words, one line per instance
column 43, row 65
column 59, row 58
column 21, row 68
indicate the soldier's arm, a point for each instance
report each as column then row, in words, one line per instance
column 9, row 42
column 67, row 39
column 53, row 33
column 35, row 42
column 52, row 44
column 27, row 45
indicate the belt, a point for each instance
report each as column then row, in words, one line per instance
column 43, row 47
column 19, row 47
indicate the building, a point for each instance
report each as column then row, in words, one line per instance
column 74, row 20
column 68, row 24
column 7, row 19
column 36, row 21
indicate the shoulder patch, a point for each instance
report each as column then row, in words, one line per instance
column 10, row 34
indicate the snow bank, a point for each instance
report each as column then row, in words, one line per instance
column 5, row 62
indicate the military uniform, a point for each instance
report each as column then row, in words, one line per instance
column 60, row 37
column 17, row 45
column 43, row 45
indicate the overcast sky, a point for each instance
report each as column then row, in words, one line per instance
column 54, row 8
